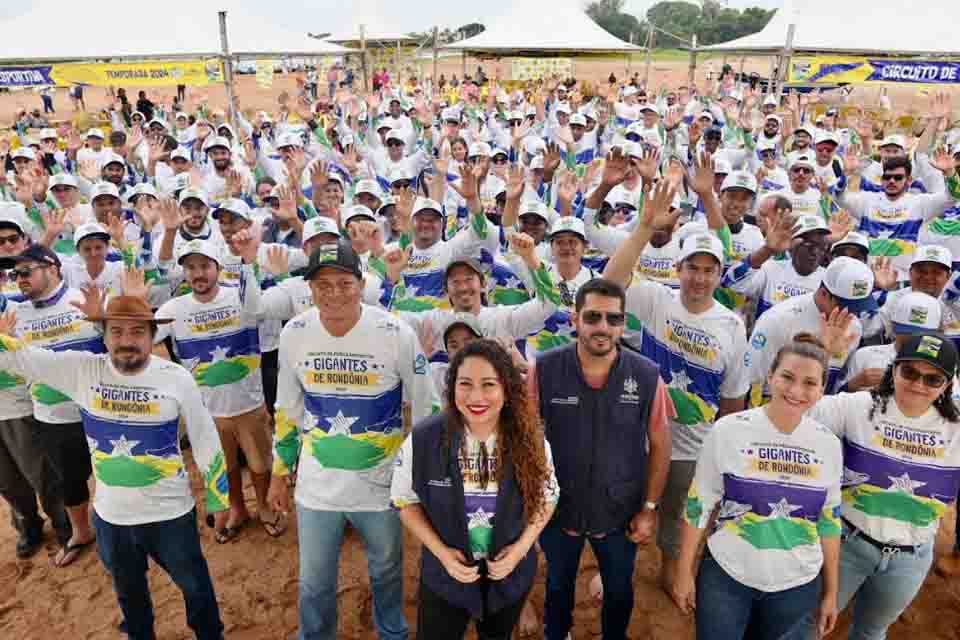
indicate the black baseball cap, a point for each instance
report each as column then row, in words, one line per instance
column 335, row 255
column 33, row 253
column 934, row 349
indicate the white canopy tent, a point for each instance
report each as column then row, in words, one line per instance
column 529, row 30
column 60, row 30
column 874, row 27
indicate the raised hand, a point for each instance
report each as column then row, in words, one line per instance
column 524, row 246
column 115, row 226
column 92, row 304
column 288, row 204
column 884, row 275
column 835, row 331
column 646, row 166
column 515, row 182
column 780, row 230
column 658, row 212
column 278, row 260
column 55, row 222
column 616, row 167
column 133, row 283
column 568, row 187
column 246, row 243
column 8, row 323
column 88, row 169
column 703, row 177
column 318, row 175
column 551, row 158
column 403, row 213
column 170, row 214
column 396, row 261
column 840, row 225
column 943, row 162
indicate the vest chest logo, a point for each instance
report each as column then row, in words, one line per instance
column 629, row 395
column 572, row 400
column 446, row 483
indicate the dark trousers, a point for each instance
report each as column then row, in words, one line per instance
column 437, row 619
column 47, row 103
column 69, row 454
column 25, row 474
column 730, row 610
column 269, row 366
column 175, row 546
column 615, row 556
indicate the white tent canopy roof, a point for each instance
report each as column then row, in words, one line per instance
column 65, row 30
column 887, row 27
column 372, row 36
column 530, row 28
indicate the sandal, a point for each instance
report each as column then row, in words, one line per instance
column 276, row 528
column 229, row 534
column 71, row 552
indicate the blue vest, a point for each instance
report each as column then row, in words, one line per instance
column 598, row 437
column 439, row 485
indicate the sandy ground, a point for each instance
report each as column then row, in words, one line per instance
column 256, row 576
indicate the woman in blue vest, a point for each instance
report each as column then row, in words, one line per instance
column 476, row 486
column 773, row 476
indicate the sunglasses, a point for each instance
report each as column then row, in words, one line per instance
column 932, row 380
column 613, row 318
column 712, row 136
column 11, row 240
column 500, row 160
column 896, row 177
column 25, row 272
column 806, row 171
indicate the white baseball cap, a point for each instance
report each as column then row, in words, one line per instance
column 933, row 253
column 854, row 238
column 217, row 141
column 722, row 166
column 368, row 186
column 770, row 99
column 201, row 247
column 236, row 206
column 809, row 224
column 48, row 134
column 534, row 208
column 289, row 139
column 23, row 152
column 563, row 107
column 534, row 145
column 104, row 189
column 775, row 118
column 629, row 91
column 114, row 158
column 95, row 133
column 578, row 120
column 706, row 113
column 568, row 224
column 181, row 153
column 801, row 159
column 450, row 115
column 893, row 141
column 426, row 204
column 827, row 136
column 196, row 194
column 916, row 312
column 739, row 180
column 356, row 212
column 701, row 243
column 395, row 134
column 649, row 107
column 400, row 173
column 14, row 213
column 481, row 149
column 634, row 128
column 319, row 225
column 63, row 180
column 851, row 283
column 804, row 128
column 91, row 230
column 157, row 121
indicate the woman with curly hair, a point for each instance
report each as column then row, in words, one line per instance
column 476, row 486
column 901, row 458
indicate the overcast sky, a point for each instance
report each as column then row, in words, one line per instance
column 409, row 15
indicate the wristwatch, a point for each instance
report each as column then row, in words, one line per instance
column 651, row 506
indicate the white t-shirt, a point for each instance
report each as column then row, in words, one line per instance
column 700, row 358
column 771, row 284
column 132, row 428
column 779, row 494
column 876, row 357
column 900, row 474
column 339, row 407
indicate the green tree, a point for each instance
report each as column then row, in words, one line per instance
column 609, row 15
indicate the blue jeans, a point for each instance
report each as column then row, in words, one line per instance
column 321, row 536
column 615, row 556
column 727, row 608
column 884, row 585
column 175, row 546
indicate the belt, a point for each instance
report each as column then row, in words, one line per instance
column 882, row 546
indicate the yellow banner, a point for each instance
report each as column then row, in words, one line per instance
column 864, row 70
column 264, row 74
column 160, row 73
column 536, row 68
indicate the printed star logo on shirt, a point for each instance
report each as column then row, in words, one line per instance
column 190, row 363
column 340, row 424
column 92, row 444
column 123, row 447
column 885, row 234
column 851, row 477
column 904, row 483
column 480, row 518
column 782, row 509
column 733, row 509
column 513, row 282
column 219, row 354
column 680, row 380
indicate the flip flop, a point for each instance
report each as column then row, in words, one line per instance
column 229, row 534
column 276, row 528
column 71, row 553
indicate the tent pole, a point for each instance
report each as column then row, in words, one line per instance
column 692, row 79
column 399, row 68
column 363, row 57
column 436, row 53
column 227, row 70
column 785, row 59
column 772, row 82
column 646, row 73
column 463, row 65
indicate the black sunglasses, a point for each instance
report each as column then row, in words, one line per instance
column 614, row 318
column 896, row 177
column 11, row 240
column 802, row 170
column 932, row 380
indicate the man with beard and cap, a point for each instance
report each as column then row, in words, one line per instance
column 771, row 282
column 132, row 406
column 893, row 217
column 804, row 197
column 802, row 139
column 771, row 177
column 698, row 344
column 25, row 474
column 183, row 222
column 215, row 336
column 93, row 150
column 894, row 146
column 847, row 287
column 829, row 167
column 223, row 172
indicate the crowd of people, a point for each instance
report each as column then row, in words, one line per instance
column 511, row 322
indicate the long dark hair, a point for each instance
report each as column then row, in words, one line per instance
column 520, row 436
column 884, row 391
